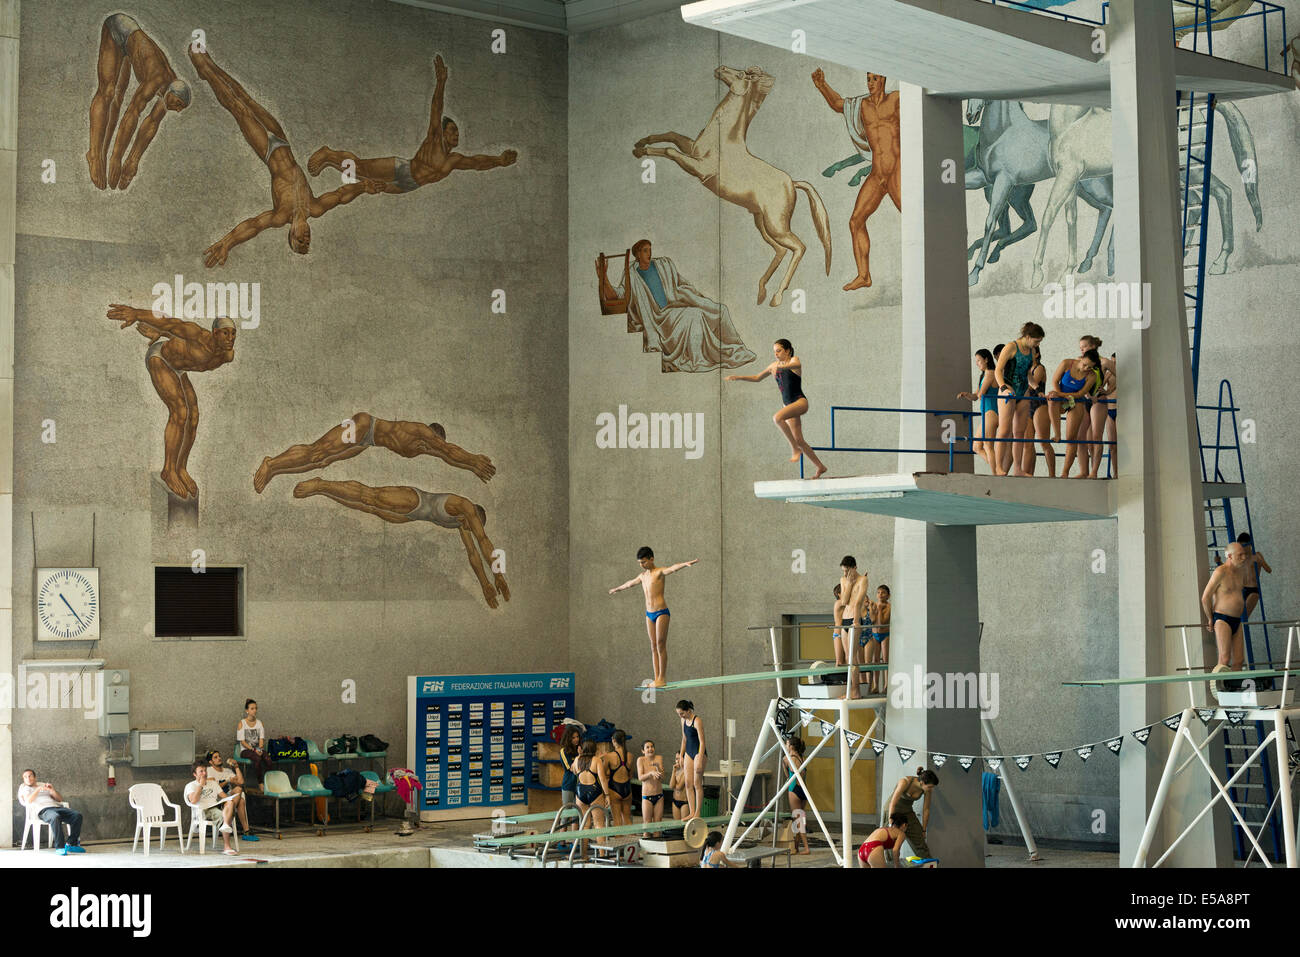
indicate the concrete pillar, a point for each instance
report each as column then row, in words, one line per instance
column 935, row 575
column 1162, row 553
column 8, row 219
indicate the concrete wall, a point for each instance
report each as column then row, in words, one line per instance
column 1048, row 596
column 390, row 313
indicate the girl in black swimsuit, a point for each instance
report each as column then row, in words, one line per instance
column 619, row 781
column 794, row 404
column 591, row 792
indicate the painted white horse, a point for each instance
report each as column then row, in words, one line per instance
column 1081, row 149
column 719, row 159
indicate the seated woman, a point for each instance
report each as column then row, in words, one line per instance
column 872, row 851
column 711, row 854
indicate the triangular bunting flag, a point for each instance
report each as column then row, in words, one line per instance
column 965, row 760
column 1172, row 722
column 994, row 763
column 1084, row 752
column 905, row 754
column 827, row 729
column 1235, row 717
column 1115, row 744
column 1022, row 760
column 1293, row 761
column 1290, row 734
column 1141, row 734
column 937, row 759
column 1205, row 714
column 805, row 718
column 878, row 746
column 854, row 738
column 1052, row 757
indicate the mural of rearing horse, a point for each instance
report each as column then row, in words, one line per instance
column 720, row 159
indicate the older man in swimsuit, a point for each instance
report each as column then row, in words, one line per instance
column 433, row 161
column 124, row 48
column 402, row 503
column 176, row 349
column 362, row 431
column 873, row 121
column 292, row 201
column 1224, row 607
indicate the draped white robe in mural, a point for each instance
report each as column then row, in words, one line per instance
column 692, row 332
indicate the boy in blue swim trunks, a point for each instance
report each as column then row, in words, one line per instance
column 657, row 616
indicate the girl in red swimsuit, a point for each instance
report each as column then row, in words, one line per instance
column 872, row 852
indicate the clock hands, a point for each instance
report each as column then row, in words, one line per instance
column 73, row 610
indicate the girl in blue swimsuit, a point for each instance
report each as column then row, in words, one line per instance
column 618, row 781
column 788, row 371
column 1040, row 419
column 1012, row 373
column 1076, row 379
column 591, row 786
column 694, row 757
column 987, row 397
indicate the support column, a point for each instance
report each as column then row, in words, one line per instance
column 8, row 221
column 1162, row 555
column 935, row 574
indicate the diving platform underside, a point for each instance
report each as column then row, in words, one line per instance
column 932, row 43
column 943, row 498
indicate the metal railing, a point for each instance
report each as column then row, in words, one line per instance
column 951, row 448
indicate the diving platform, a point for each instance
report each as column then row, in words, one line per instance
column 958, row 498
column 1037, row 56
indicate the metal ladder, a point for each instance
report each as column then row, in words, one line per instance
column 1195, row 145
column 1225, row 517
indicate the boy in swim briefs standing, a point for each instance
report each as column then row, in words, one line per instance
column 657, row 615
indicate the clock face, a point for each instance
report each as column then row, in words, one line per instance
column 67, row 603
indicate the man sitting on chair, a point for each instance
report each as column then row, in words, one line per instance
column 206, row 797
column 49, row 808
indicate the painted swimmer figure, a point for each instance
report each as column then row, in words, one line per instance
column 657, row 616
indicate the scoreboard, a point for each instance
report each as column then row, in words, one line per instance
column 470, row 737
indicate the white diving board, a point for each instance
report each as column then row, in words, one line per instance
column 954, row 499
column 757, row 676
column 965, row 49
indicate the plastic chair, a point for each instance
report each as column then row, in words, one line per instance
column 34, row 824
column 201, row 824
column 382, row 788
column 316, row 754
column 148, row 801
column 235, row 754
column 275, row 786
column 346, row 756
column 309, row 785
column 371, row 755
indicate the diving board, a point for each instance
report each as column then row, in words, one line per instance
column 644, row 829
column 931, row 43
column 1175, row 679
column 757, row 676
column 957, row 498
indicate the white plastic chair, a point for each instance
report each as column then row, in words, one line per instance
column 201, row 824
column 34, row 825
column 148, row 801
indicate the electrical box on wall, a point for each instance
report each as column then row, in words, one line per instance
column 115, row 693
column 162, row 747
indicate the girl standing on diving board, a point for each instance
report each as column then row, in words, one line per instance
column 657, row 616
column 694, row 757
column 788, row 370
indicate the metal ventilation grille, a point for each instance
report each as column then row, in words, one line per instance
column 187, row 604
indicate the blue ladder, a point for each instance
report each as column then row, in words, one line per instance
column 1195, row 145
column 1254, row 793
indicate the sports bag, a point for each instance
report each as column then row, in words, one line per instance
column 371, row 742
column 344, row 744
